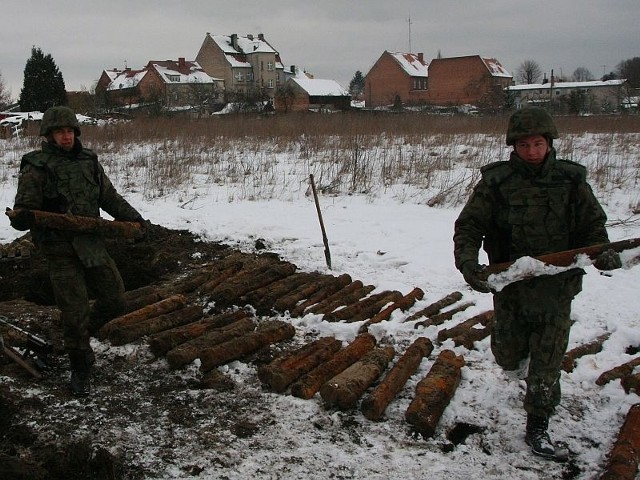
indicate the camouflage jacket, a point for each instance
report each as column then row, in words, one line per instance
column 519, row 210
column 69, row 182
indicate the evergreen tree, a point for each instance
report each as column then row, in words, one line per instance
column 43, row 85
column 356, row 86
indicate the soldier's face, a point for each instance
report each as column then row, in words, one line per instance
column 64, row 137
column 532, row 149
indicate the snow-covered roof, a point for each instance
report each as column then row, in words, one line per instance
column 317, row 87
column 126, row 79
column 410, row 63
column 247, row 45
column 496, row 68
column 589, row 84
column 182, row 72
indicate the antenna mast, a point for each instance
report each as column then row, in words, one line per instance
column 409, row 22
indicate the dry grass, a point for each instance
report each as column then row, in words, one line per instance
column 420, row 158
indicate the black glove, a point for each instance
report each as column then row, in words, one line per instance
column 609, row 260
column 471, row 271
column 21, row 219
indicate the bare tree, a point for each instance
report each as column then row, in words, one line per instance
column 5, row 95
column 582, row 74
column 630, row 70
column 529, row 72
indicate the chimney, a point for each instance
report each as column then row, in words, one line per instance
column 250, row 36
column 181, row 62
column 234, row 41
column 421, row 57
column 293, row 69
column 261, row 37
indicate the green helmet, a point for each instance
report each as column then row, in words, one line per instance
column 58, row 117
column 530, row 121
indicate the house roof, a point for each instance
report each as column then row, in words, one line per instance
column 125, row 79
column 247, row 45
column 317, row 87
column 590, row 84
column 496, row 68
column 410, row 63
column 186, row 71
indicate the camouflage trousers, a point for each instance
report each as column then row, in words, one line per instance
column 71, row 282
column 532, row 320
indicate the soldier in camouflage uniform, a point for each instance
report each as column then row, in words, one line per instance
column 64, row 177
column 530, row 205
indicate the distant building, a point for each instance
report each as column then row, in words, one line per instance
column 248, row 65
column 174, row 84
column 396, row 78
column 592, row 96
column 407, row 79
column 301, row 94
column 468, row 80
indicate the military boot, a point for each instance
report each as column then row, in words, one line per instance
column 80, row 372
column 538, row 439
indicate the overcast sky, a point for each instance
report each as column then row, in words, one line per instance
column 329, row 38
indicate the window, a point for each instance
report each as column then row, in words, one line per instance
column 173, row 78
column 239, row 76
column 249, row 76
column 270, row 66
column 270, row 84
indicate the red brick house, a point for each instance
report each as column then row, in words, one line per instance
column 470, row 80
column 396, row 77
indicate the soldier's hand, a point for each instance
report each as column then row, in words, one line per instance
column 608, row 260
column 471, row 272
column 21, row 218
column 144, row 227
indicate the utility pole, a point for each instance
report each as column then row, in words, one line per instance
column 409, row 22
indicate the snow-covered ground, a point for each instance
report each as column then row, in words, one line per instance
column 399, row 245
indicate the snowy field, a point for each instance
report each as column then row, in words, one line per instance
column 396, row 242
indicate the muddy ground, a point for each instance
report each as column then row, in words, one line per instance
column 51, row 434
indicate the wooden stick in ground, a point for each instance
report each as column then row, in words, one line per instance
column 188, row 351
column 266, row 334
column 309, row 384
column 327, row 253
column 285, row 370
column 436, row 306
column 434, row 392
column 623, row 458
column 591, row 348
column 344, row 390
column 174, row 302
column 618, row 372
column 403, row 303
column 162, row 342
column 14, row 356
column 374, row 404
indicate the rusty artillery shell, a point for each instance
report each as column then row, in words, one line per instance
column 161, row 343
column 285, row 370
column 374, row 404
column 166, row 305
column 435, row 307
column 618, row 372
column 403, row 303
column 591, row 348
column 365, row 308
column 270, row 332
column 188, row 351
column 434, row 392
column 346, row 296
column 331, row 287
column 304, row 290
column 309, row 384
column 461, row 328
column 440, row 318
column 344, row 390
column 264, row 298
column 623, row 458
column 129, row 333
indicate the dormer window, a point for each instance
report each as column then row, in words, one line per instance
column 173, row 78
